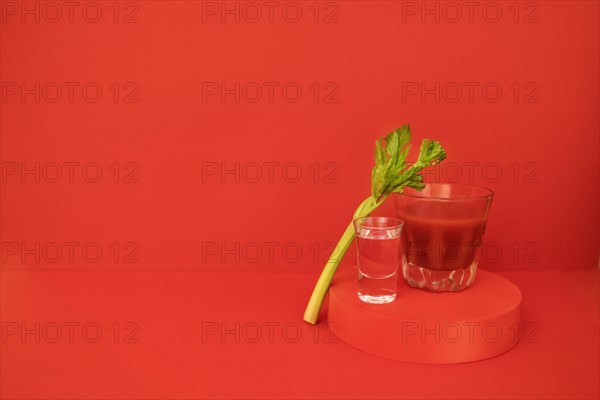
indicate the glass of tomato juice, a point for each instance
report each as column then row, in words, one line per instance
column 443, row 229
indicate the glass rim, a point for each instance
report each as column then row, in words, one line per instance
column 399, row 223
column 489, row 195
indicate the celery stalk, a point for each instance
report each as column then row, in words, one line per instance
column 390, row 174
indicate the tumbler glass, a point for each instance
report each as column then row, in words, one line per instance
column 443, row 230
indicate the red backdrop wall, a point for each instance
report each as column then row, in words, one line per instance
column 239, row 136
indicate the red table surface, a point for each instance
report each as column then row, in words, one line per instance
column 172, row 347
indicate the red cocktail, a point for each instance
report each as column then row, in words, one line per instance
column 443, row 228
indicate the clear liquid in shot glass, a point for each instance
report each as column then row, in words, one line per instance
column 378, row 262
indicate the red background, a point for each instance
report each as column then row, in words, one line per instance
column 536, row 145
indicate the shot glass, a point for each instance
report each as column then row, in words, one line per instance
column 378, row 246
column 443, row 231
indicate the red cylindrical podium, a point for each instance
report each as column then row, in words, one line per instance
column 479, row 322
